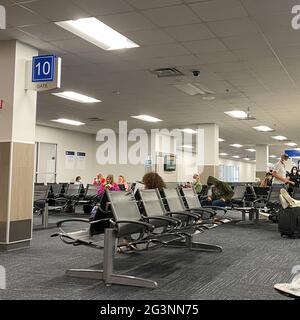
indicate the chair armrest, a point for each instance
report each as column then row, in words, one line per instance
column 172, row 220
column 207, row 210
column 59, row 223
column 148, row 226
column 183, row 213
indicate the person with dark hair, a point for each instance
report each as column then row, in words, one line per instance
column 294, row 176
column 267, row 182
column 220, row 193
column 78, row 180
column 152, row 180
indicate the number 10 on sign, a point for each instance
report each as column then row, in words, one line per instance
column 43, row 68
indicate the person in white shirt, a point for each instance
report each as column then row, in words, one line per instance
column 78, row 180
column 279, row 172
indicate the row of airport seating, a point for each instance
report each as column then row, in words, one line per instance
column 148, row 218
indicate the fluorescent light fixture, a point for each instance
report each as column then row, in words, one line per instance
column 69, row 122
column 273, row 156
column 98, row 33
column 193, row 89
column 238, row 114
column 191, row 131
column 263, row 129
column 144, row 117
column 297, row 149
column 74, row 96
column 236, row 145
column 280, row 138
column 221, row 140
column 236, row 157
column 223, row 154
column 291, row 144
column 187, row 147
column 251, row 150
column 247, row 159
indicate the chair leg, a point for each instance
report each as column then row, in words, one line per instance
column 200, row 246
column 107, row 274
column 85, row 274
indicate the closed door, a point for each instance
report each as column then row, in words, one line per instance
column 46, row 162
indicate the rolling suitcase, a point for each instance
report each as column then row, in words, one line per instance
column 289, row 222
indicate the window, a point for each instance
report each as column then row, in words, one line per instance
column 229, row 173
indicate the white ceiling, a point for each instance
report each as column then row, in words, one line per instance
column 246, row 50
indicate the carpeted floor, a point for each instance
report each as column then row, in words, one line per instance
column 254, row 258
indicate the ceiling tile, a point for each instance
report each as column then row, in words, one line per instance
column 48, row 32
column 191, row 32
column 234, row 27
column 172, row 16
column 103, row 7
column 57, row 10
column 202, row 46
column 267, row 7
column 149, row 37
column 130, row 21
column 20, row 16
column 217, row 57
column 216, row 10
column 240, row 42
column 146, row 4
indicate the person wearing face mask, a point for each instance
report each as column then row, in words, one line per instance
column 279, row 172
column 78, row 180
column 295, row 177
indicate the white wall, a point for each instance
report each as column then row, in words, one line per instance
column 70, row 141
column 247, row 170
column 67, row 140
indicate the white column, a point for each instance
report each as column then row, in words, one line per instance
column 262, row 160
column 17, row 138
column 208, row 151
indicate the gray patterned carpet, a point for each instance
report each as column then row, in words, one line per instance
column 254, row 258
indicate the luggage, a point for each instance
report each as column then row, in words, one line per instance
column 289, row 222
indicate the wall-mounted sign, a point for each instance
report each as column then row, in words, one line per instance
column 43, row 73
column 293, row 153
column 70, row 160
column 81, row 160
column 170, row 162
column 43, row 68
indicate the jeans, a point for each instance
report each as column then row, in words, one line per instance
column 217, row 203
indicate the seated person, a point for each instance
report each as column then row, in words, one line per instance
column 219, row 194
column 123, row 183
column 267, row 182
column 109, row 185
column 153, row 180
column 197, row 183
column 78, row 180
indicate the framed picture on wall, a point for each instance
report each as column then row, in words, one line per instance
column 170, row 162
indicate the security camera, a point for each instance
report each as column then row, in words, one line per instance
column 196, row 73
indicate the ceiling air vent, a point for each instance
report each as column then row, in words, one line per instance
column 95, row 119
column 167, row 72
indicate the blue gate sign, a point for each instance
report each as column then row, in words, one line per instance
column 293, row 153
column 43, row 68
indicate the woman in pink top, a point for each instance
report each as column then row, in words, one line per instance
column 109, row 185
